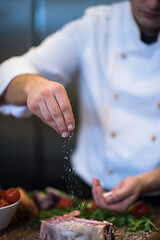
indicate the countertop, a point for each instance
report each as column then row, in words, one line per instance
column 25, row 230
column 30, row 231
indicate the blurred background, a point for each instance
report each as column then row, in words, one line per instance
column 32, row 155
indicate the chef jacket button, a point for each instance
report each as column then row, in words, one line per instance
column 153, row 138
column 158, row 104
column 113, row 134
column 110, row 171
column 123, row 55
column 116, row 96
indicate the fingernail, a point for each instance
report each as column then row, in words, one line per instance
column 70, row 127
column 65, row 134
column 108, row 197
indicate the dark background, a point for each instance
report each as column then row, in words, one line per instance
column 32, row 155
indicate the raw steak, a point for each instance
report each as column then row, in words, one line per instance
column 72, row 228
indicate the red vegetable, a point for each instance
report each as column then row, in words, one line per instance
column 3, row 203
column 140, row 209
column 2, row 194
column 64, row 203
column 91, row 205
column 12, row 195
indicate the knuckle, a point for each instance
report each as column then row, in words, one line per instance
column 66, row 108
column 56, row 114
column 37, row 98
column 32, row 106
column 48, row 118
column 46, row 92
column 115, row 197
column 34, row 102
column 58, row 88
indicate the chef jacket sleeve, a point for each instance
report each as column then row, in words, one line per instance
column 56, row 58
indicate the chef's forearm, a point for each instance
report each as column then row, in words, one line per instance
column 16, row 92
column 150, row 181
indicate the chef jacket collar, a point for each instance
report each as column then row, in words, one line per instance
column 135, row 32
column 128, row 36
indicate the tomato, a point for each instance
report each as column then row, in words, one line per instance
column 140, row 209
column 91, row 205
column 2, row 194
column 3, row 203
column 64, row 203
column 12, row 195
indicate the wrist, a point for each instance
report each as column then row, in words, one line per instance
column 150, row 181
column 30, row 81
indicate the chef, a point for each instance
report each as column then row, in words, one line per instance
column 116, row 52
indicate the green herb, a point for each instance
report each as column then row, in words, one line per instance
column 118, row 219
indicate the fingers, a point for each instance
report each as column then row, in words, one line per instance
column 116, row 196
column 100, row 197
column 118, row 199
column 51, row 104
column 66, row 110
column 97, row 192
column 95, row 182
column 126, row 188
column 45, row 116
column 120, row 206
column 55, row 115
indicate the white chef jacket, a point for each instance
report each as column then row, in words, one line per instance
column 119, row 85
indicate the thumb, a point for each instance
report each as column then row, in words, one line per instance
column 118, row 194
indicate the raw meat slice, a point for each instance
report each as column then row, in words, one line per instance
column 72, row 228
